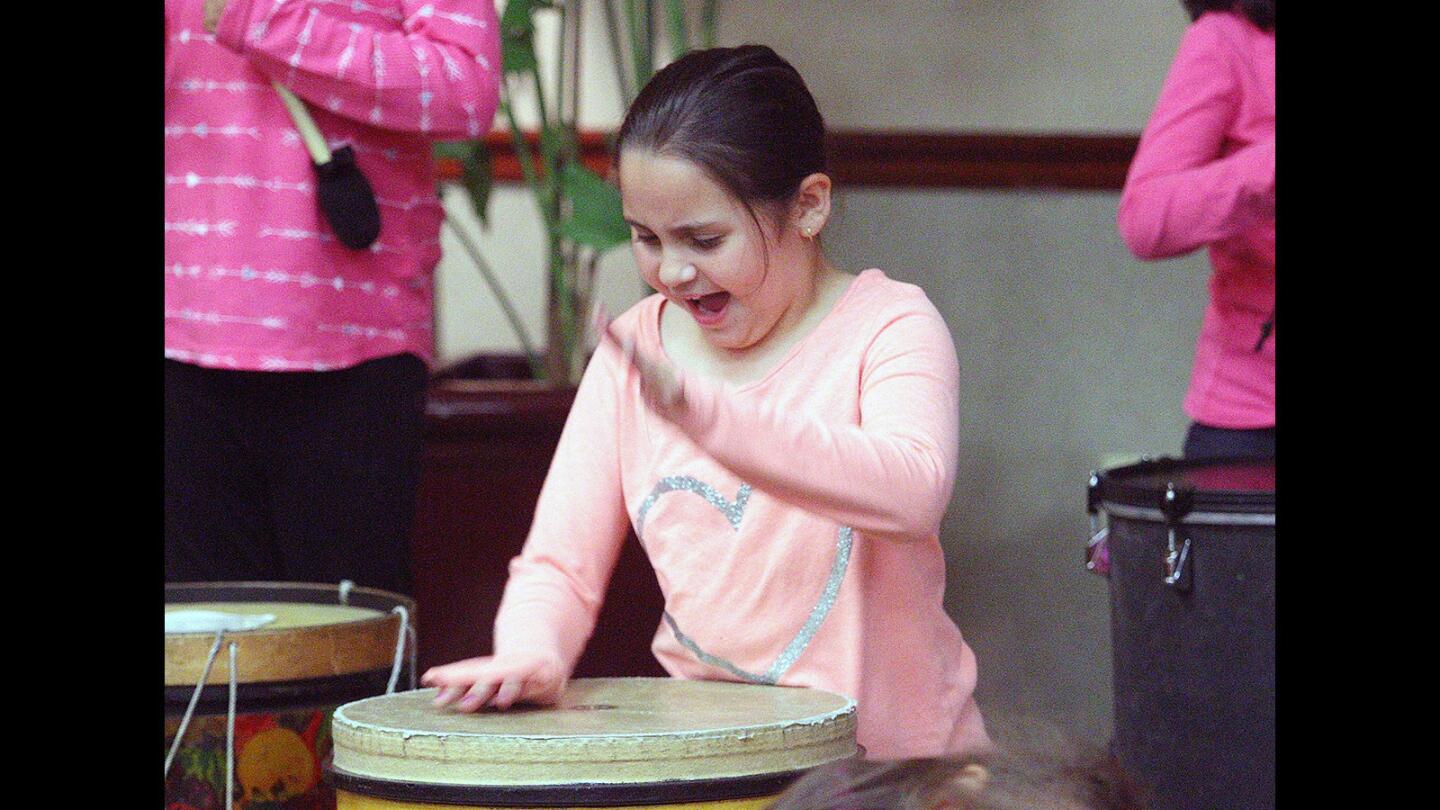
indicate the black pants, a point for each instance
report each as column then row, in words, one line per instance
column 1204, row 441
column 293, row 476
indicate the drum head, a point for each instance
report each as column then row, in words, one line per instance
column 604, row 731
column 313, row 634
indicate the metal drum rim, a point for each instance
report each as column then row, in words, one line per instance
column 1118, row 496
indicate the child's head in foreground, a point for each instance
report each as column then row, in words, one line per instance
column 1083, row 778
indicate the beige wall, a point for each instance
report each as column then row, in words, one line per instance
column 1072, row 352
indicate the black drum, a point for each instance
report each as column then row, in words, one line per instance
column 1191, row 559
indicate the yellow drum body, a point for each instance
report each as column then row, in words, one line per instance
column 609, row 742
column 290, row 675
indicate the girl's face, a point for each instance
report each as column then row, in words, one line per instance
column 698, row 245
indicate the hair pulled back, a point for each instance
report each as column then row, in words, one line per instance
column 742, row 114
column 1260, row 12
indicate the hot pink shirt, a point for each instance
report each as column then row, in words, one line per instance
column 1204, row 176
column 792, row 522
column 254, row 278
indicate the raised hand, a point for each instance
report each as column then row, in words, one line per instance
column 662, row 388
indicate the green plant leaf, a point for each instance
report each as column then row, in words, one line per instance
column 476, row 171
column 556, row 142
column 596, row 219
column 517, row 35
column 452, row 150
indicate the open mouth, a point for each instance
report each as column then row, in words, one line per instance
column 708, row 307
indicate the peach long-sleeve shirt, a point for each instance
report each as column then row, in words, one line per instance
column 792, row 522
column 1204, row 176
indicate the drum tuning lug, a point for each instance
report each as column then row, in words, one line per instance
column 1176, row 571
column 1097, row 550
column 1175, row 505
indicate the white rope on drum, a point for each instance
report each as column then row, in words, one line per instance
column 194, row 698
column 229, row 719
column 399, row 649
column 345, row 586
column 414, row 650
column 230, row 737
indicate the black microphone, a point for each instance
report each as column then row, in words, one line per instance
column 345, row 196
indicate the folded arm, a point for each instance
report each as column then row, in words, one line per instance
column 434, row 70
column 1180, row 193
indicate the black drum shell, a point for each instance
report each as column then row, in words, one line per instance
column 1194, row 667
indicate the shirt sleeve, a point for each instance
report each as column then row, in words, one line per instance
column 889, row 476
column 558, row 581
column 1180, row 194
column 435, row 71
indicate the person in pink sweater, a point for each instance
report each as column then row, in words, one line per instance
column 1204, row 176
column 295, row 366
column 781, row 435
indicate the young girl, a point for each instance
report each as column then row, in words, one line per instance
column 781, row 435
column 1204, row 176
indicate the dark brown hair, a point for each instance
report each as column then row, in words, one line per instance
column 1260, row 12
column 742, row 114
column 1080, row 778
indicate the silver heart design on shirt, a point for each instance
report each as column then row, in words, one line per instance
column 734, row 511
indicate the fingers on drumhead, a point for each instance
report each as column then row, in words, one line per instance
column 508, row 692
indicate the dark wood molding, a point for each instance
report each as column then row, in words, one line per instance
column 957, row 160
column 916, row 159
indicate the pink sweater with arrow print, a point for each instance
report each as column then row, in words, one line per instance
column 254, row 278
column 1204, row 176
column 793, row 522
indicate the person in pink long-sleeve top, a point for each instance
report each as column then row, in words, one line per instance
column 1204, row 176
column 781, row 435
column 295, row 366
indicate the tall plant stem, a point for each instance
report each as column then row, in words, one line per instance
column 679, row 37
column 572, row 117
column 708, row 24
column 636, row 14
column 612, row 28
column 504, row 300
column 526, row 158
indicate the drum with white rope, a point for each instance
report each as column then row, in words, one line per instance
column 253, row 671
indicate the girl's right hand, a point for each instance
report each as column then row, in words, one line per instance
column 496, row 681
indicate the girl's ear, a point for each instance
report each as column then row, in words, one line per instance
column 811, row 208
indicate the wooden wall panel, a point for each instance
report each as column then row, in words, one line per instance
column 916, row 159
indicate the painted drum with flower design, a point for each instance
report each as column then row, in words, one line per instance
column 307, row 650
